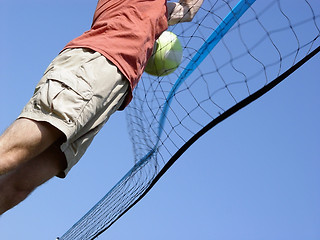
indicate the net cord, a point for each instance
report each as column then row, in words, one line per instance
column 232, row 17
column 211, row 42
column 245, row 102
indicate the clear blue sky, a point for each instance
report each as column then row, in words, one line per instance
column 254, row 176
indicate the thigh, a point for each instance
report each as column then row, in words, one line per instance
column 24, row 140
column 37, row 171
column 80, row 92
column 76, row 90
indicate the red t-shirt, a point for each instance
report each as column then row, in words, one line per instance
column 124, row 31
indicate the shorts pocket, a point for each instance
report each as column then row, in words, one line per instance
column 64, row 99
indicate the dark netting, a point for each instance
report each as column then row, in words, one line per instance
column 265, row 45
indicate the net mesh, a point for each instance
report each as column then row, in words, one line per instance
column 267, row 40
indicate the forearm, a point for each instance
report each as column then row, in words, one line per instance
column 182, row 11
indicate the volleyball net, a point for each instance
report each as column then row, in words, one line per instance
column 233, row 53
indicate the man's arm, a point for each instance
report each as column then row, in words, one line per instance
column 182, row 11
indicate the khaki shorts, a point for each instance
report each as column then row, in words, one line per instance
column 77, row 94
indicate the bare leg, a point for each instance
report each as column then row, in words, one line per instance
column 24, row 140
column 29, row 156
column 16, row 185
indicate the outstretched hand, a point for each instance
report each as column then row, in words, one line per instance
column 182, row 11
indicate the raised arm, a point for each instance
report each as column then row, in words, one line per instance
column 182, row 11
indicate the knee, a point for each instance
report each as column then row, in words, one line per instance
column 5, row 165
column 7, row 159
column 13, row 191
